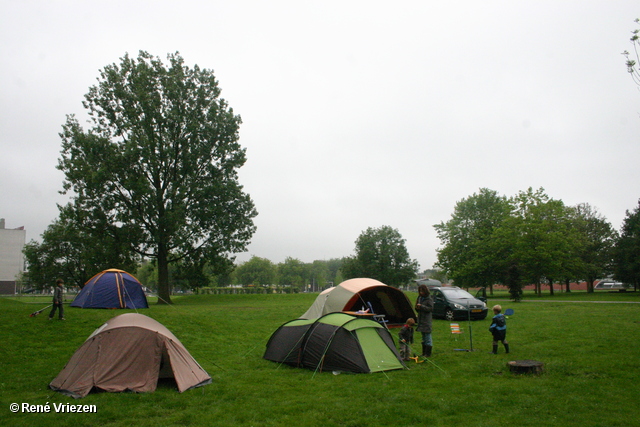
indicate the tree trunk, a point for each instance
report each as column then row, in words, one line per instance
column 164, row 290
column 551, row 286
column 567, row 283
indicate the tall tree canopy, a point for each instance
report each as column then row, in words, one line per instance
column 527, row 239
column 465, row 255
column 71, row 250
column 381, row 254
column 539, row 238
column 257, row 271
column 595, row 250
column 160, row 161
column 293, row 272
column 627, row 250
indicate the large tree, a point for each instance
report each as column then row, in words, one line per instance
column 597, row 239
column 627, row 250
column 293, row 272
column 257, row 271
column 528, row 239
column 70, row 250
column 465, row 256
column 538, row 240
column 381, row 254
column 160, row 160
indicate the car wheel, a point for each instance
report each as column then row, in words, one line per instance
column 448, row 314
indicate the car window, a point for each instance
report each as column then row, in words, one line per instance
column 457, row 294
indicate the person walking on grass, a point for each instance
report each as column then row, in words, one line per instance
column 498, row 329
column 406, row 339
column 57, row 300
column 424, row 307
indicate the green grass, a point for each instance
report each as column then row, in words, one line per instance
column 590, row 354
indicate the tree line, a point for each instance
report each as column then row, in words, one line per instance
column 380, row 253
column 531, row 238
column 70, row 252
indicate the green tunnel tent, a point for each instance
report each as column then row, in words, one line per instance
column 334, row 342
column 356, row 294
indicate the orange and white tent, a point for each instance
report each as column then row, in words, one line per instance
column 363, row 294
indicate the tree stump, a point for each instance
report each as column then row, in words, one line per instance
column 526, row 367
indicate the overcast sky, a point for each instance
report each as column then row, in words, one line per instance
column 355, row 114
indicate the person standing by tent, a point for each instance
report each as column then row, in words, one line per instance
column 57, row 300
column 424, row 307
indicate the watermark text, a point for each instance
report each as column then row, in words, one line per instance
column 57, row 408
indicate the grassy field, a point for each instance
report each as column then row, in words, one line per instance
column 590, row 352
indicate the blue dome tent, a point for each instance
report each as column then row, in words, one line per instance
column 111, row 289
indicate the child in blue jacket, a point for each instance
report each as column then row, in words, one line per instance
column 498, row 329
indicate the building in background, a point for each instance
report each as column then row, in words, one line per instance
column 12, row 243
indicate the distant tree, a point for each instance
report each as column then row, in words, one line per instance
column 257, row 271
column 503, row 245
column 627, row 250
column 147, row 274
column 160, row 161
column 222, row 278
column 541, row 241
column 318, row 274
column 339, row 277
column 381, row 254
column 293, row 272
column 190, row 274
column 334, row 276
column 439, row 275
column 595, row 249
column 633, row 59
column 74, row 248
column 529, row 238
column 464, row 254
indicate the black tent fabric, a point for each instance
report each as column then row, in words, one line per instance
column 334, row 342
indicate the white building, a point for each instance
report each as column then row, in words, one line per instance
column 12, row 243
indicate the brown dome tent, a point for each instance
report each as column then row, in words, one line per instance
column 129, row 352
column 363, row 293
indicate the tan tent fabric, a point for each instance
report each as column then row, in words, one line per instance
column 355, row 294
column 129, row 352
column 317, row 308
